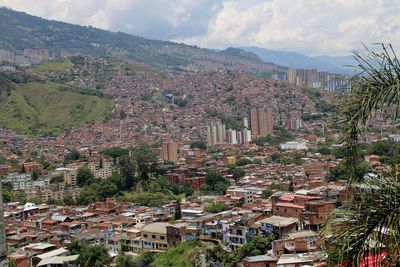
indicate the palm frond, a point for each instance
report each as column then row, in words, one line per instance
column 373, row 226
column 375, row 87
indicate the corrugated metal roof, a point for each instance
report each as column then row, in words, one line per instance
column 58, row 260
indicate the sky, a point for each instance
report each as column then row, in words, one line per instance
column 313, row 27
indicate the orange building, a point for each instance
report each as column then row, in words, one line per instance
column 29, row 167
column 261, row 122
column 169, row 151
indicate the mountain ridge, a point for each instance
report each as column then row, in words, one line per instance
column 21, row 30
column 298, row 60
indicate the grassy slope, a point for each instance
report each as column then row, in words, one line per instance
column 183, row 255
column 54, row 66
column 37, row 108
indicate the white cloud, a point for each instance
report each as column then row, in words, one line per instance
column 309, row 26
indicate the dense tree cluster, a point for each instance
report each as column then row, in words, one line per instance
column 90, row 256
column 343, row 172
column 215, row 182
column 216, row 207
column 138, row 172
column 257, row 246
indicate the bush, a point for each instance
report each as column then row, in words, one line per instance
column 216, row 207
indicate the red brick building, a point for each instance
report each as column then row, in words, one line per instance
column 29, row 167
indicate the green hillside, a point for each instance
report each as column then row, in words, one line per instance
column 237, row 52
column 48, row 108
column 20, row 30
column 183, row 255
column 54, row 66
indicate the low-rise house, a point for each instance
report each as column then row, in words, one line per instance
column 160, row 236
column 260, row 261
column 315, row 213
column 296, row 242
column 279, row 225
column 297, row 260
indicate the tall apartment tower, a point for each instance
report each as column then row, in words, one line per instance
column 231, row 136
column 169, row 151
column 246, row 136
column 261, row 122
column 3, row 256
column 216, row 133
column 292, row 76
column 246, row 122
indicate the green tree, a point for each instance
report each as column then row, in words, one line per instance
column 343, row 172
column 243, row 162
column 216, row 181
column 128, row 172
column 69, row 200
column 324, row 151
column 291, row 186
column 7, row 190
column 106, row 189
column 188, row 189
column 57, row 179
column 87, row 196
column 84, row 176
column 52, row 201
column 72, row 156
column 257, row 246
column 76, row 246
column 12, row 262
column 35, row 175
column 216, row 207
column 178, row 210
column 146, row 161
column 276, row 156
column 260, row 141
column 268, row 192
column 117, row 179
column 204, row 188
column 95, row 256
column 123, row 260
column 237, row 174
column 198, row 144
column 115, row 152
column 372, row 214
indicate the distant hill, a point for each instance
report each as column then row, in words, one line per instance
column 338, row 61
column 237, row 52
column 298, row 60
column 20, row 30
column 49, row 108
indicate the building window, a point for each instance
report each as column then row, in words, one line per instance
column 153, row 236
column 145, row 235
column 162, row 237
